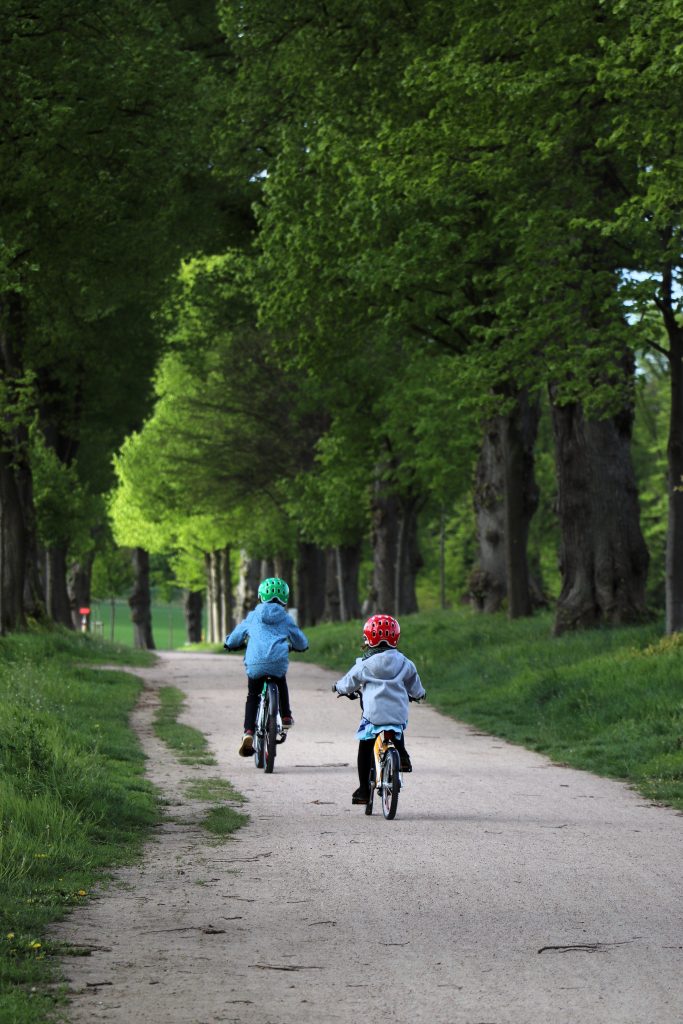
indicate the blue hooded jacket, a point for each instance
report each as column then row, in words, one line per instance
column 387, row 680
column 268, row 631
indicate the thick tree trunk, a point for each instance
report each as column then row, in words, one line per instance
column 396, row 554
column 192, row 605
column 78, row 587
column 21, row 591
column 505, row 499
column 310, row 584
column 140, row 601
column 603, row 557
column 56, row 592
column 12, row 550
column 518, row 433
column 488, row 580
column 246, row 596
column 674, row 533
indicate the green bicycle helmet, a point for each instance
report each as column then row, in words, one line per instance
column 273, row 589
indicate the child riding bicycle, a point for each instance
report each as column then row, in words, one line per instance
column 387, row 682
column 269, row 633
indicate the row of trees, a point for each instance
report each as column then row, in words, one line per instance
column 403, row 229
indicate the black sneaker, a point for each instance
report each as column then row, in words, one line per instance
column 360, row 796
column 406, row 765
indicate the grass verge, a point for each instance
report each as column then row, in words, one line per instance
column 223, row 819
column 189, row 744
column 609, row 701
column 73, row 800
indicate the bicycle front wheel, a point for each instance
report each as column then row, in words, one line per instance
column 271, row 729
column 390, row 782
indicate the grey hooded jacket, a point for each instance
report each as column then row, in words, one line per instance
column 269, row 631
column 387, row 679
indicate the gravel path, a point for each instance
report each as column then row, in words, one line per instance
column 508, row 890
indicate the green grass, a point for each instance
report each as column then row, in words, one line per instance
column 73, row 800
column 222, row 821
column 610, row 701
column 189, row 744
column 213, row 791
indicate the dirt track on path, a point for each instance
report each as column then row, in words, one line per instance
column 507, row 891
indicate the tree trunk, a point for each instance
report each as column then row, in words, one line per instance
column 518, row 435
column 310, row 584
column 395, row 549
column 12, row 550
column 488, row 580
column 505, row 499
column 603, row 557
column 140, row 601
column 192, row 605
column 227, row 619
column 246, row 596
column 21, row 591
column 348, row 568
column 56, row 592
column 78, row 587
column 674, row 533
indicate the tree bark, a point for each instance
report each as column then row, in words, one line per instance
column 674, row 532
column 488, row 580
column 12, row 550
column 396, row 554
column 56, row 592
column 247, row 586
column 310, row 584
column 78, row 587
column 192, row 605
column 506, row 498
column 518, row 433
column 21, row 591
column 603, row 557
column 140, row 601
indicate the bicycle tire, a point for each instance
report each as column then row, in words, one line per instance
column 371, row 791
column 270, row 737
column 391, row 782
column 259, row 735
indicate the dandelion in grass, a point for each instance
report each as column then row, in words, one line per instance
column 82, row 892
column 36, row 945
column 10, row 935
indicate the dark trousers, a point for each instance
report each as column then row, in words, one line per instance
column 365, row 748
column 254, row 687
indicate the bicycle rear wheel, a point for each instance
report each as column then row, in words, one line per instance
column 271, row 729
column 390, row 782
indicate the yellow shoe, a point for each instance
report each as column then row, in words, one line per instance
column 247, row 747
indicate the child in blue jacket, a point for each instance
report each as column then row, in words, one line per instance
column 269, row 632
column 387, row 682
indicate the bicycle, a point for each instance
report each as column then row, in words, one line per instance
column 385, row 774
column 269, row 729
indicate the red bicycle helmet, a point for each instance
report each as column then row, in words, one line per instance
column 380, row 628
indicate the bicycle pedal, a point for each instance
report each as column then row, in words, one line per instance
column 281, row 737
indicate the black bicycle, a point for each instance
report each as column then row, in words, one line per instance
column 269, row 731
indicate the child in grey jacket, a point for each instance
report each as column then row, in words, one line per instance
column 269, row 631
column 387, row 682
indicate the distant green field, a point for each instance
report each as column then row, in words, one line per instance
column 112, row 621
